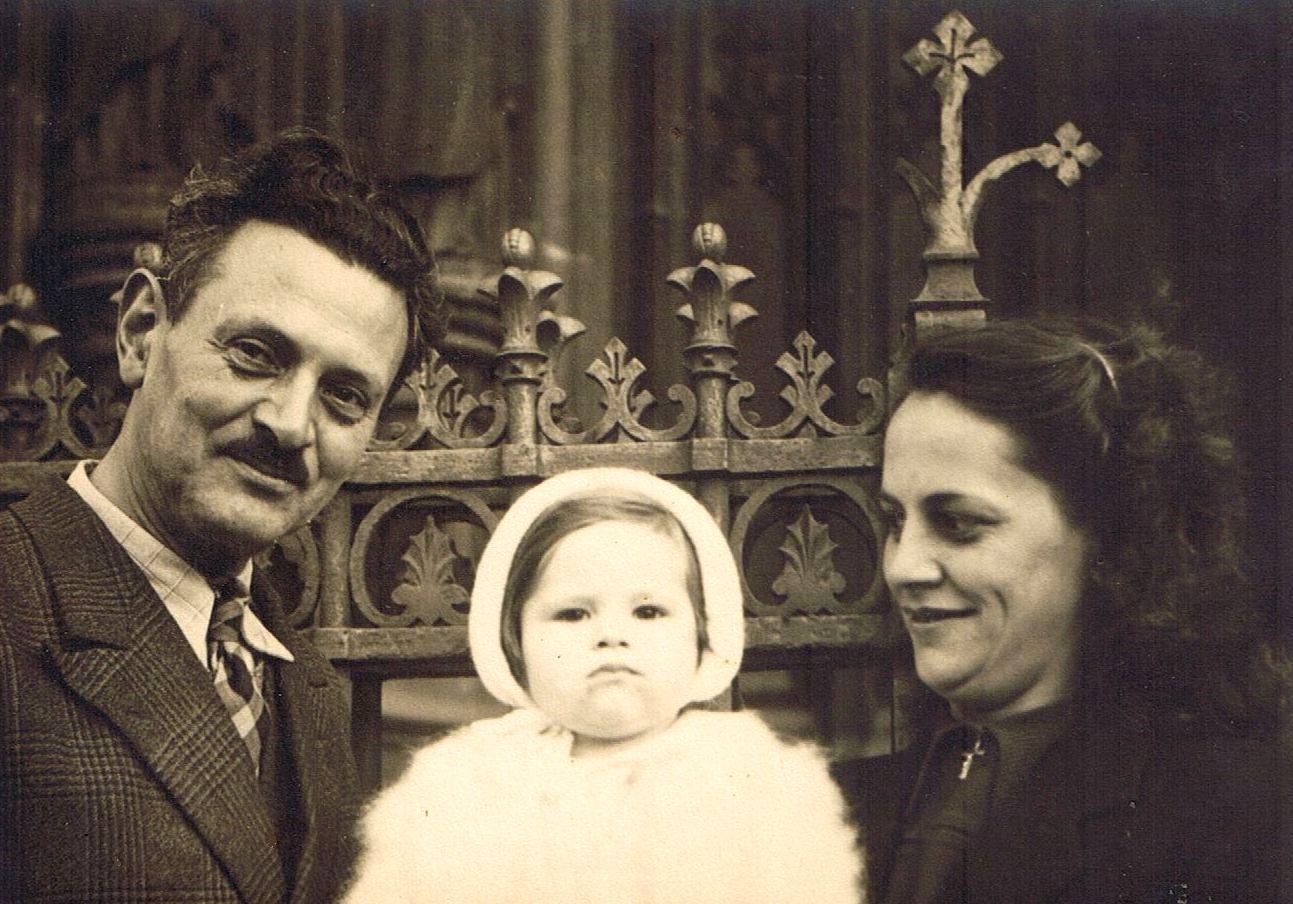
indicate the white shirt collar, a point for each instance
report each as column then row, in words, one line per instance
column 183, row 591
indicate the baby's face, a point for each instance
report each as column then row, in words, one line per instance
column 609, row 634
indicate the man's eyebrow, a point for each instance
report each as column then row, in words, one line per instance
column 351, row 375
column 262, row 329
column 284, row 345
column 255, row 328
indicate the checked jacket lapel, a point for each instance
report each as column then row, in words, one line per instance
column 124, row 655
column 319, row 747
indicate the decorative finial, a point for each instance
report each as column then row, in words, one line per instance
column 149, row 255
column 956, row 51
column 518, row 248
column 709, row 286
column 710, row 241
column 950, row 208
column 530, row 331
column 23, row 299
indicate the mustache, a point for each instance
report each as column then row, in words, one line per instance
column 262, row 452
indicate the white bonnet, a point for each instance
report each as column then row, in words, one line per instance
column 719, row 580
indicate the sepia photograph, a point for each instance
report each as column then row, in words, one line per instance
column 646, row 451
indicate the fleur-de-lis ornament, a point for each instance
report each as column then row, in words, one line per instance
column 522, row 362
column 711, row 309
column 713, row 313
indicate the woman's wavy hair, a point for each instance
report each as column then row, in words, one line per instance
column 305, row 181
column 1132, row 435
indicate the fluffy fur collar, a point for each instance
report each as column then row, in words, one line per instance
column 715, row 809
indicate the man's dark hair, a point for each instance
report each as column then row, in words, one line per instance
column 305, row 181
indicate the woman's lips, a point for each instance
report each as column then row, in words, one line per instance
column 924, row 615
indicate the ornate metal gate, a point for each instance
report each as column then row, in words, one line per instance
column 381, row 578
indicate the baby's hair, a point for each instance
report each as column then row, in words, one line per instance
column 562, row 520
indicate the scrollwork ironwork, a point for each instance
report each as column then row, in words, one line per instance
column 99, row 414
column 624, row 406
column 43, row 405
column 806, row 394
column 29, row 412
column 445, row 409
column 299, row 553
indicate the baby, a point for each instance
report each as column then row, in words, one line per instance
column 606, row 604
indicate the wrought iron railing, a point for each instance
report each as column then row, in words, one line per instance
column 381, row 578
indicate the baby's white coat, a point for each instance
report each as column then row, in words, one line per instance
column 715, row 809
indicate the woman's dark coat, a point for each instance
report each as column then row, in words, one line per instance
column 1115, row 811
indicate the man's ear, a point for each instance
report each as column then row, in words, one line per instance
column 141, row 311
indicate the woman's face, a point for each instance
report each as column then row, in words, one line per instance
column 985, row 567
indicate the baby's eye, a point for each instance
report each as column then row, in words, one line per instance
column 650, row 611
column 570, row 614
column 250, row 356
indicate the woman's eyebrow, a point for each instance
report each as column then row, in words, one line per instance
column 944, row 500
column 946, row 497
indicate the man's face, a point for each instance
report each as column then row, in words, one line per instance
column 259, row 401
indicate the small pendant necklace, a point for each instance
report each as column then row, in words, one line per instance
column 967, row 756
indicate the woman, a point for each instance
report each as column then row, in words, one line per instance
column 1064, row 549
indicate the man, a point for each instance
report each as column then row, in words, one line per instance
column 164, row 736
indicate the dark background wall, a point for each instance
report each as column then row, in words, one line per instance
column 611, row 128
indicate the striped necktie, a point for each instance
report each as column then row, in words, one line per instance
column 236, row 671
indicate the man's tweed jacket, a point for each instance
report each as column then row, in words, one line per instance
column 122, row 777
